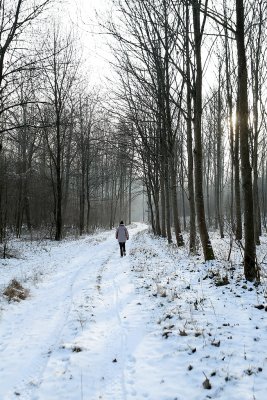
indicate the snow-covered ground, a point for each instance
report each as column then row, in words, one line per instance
column 152, row 325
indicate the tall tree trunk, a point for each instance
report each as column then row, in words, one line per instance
column 183, row 195
column 157, row 212
column 19, row 208
column 88, row 193
column 250, row 250
column 58, row 235
column 200, row 210
column 176, row 220
column 238, row 214
column 130, row 195
column 163, row 204
column 207, row 181
column 1, row 192
column 255, row 60
column 263, row 194
column 1, row 215
column 229, row 93
column 170, row 136
column 82, row 199
column 219, row 161
column 168, row 207
column 150, row 204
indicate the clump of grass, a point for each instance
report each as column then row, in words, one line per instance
column 206, row 384
column 222, row 281
column 15, row 291
column 76, row 349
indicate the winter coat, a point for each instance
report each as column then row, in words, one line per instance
column 122, row 233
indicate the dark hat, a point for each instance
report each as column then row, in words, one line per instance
column 121, row 223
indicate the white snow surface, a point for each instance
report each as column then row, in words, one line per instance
column 152, row 325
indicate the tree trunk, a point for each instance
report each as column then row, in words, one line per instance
column 238, row 214
column 255, row 92
column 130, row 195
column 229, row 93
column 168, row 207
column 219, row 161
column 200, row 210
column 152, row 220
column 82, row 199
column 58, row 235
column 163, row 205
column 176, row 220
column 157, row 213
column 250, row 250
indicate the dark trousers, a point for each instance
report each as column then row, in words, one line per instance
column 122, row 247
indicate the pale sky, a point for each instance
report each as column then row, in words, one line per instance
column 83, row 16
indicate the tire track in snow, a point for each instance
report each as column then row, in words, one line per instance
column 93, row 293
column 96, row 299
column 123, row 335
column 55, row 319
column 108, row 364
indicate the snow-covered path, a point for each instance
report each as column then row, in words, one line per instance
column 80, row 325
column 110, row 326
column 150, row 326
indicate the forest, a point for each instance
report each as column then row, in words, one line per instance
column 182, row 115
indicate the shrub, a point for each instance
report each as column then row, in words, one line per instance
column 15, row 291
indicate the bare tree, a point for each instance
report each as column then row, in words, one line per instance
column 60, row 70
column 255, row 42
column 200, row 209
column 249, row 251
column 16, row 17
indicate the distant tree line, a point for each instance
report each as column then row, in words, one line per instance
column 63, row 167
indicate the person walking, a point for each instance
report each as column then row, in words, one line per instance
column 122, row 235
